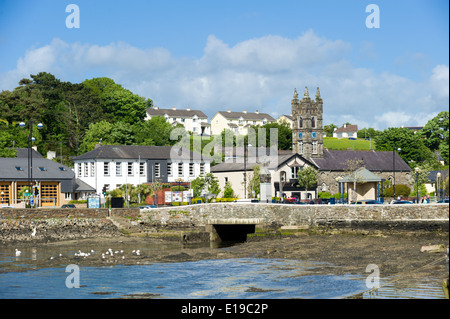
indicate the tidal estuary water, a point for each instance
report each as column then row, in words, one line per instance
column 237, row 278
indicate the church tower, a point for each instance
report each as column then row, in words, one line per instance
column 307, row 134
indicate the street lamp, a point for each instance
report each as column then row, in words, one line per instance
column 417, row 170
column 31, row 139
column 393, row 166
column 438, row 186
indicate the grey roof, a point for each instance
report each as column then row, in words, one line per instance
column 176, row 113
column 135, row 152
column 246, row 116
column 50, row 170
column 80, row 186
column 237, row 164
column 432, row 175
column 334, row 160
column 361, row 175
column 347, row 128
column 23, row 152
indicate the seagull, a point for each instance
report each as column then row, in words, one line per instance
column 34, row 232
column 18, row 252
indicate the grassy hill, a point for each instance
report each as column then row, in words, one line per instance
column 333, row 143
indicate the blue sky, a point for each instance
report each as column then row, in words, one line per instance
column 243, row 55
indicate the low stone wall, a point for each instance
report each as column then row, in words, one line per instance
column 379, row 216
column 53, row 224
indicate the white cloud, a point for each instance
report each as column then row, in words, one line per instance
column 256, row 74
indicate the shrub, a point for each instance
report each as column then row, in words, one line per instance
column 179, row 203
column 195, row 199
column 400, row 190
column 220, row 200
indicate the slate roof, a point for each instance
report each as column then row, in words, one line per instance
column 246, row 116
column 51, row 170
column 334, row 160
column 134, row 152
column 361, row 174
column 23, row 152
column 176, row 113
column 348, row 128
column 80, row 186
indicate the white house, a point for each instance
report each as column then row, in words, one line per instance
column 346, row 131
column 238, row 122
column 111, row 166
column 194, row 121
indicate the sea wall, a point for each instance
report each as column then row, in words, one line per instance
column 57, row 224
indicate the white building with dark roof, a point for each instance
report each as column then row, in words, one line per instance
column 111, row 166
column 238, row 122
column 194, row 121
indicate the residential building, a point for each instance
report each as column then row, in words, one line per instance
column 288, row 119
column 238, row 122
column 194, row 121
column 111, row 166
column 56, row 182
column 346, row 131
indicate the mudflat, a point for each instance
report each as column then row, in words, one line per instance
column 393, row 254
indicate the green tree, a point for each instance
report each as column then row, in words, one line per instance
column 413, row 151
column 107, row 133
column 307, row 178
column 329, row 129
column 228, row 191
column 155, row 131
column 436, row 134
column 121, row 103
column 284, row 135
column 254, row 185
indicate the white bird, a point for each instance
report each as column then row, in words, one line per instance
column 34, row 232
column 18, row 252
column 138, row 252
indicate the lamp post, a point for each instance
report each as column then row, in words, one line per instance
column 339, row 186
column 417, row 170
column 438, row 186
column 393, row 166
column 31, row 139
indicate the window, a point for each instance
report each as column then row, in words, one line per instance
column 191, row 169
column 313, row 122
column 79, row 170
column 264, row 121
column 19, row 168
column 300, row 147
column 105, row 168
column 157, row 170
column 92, row 169
column 300, row 122
column 180, row 169
column 142, row 169
column 314, row 147
column 183, row 120
column 130, row 168
column 202, row 168
column 169, row 169
column 118, row 169
column 226, row 180
column 86, row 169
column 294, row 172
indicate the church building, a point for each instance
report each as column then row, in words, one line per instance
column 333, row 166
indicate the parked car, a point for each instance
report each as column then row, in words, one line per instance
column 445, row 200
column 401, row 202
column 68, row 206
column 145, row 207
column 368, row 202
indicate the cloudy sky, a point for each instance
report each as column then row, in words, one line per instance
column 243, row 55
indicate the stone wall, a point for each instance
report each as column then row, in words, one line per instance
column 381, row 216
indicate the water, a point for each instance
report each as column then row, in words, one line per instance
column 240, row 278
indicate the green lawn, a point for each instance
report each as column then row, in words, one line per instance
column 333, row 143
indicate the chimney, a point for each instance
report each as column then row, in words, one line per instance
column 174, row 108
column 257, row 112
column 188, row 108
column 228, row 111
column 156, row 108
column 98, row 145
column 244, row 111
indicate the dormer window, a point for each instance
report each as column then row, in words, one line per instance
column 42, row 169
column 19, row 168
